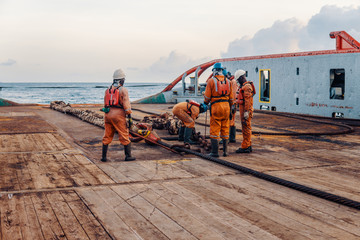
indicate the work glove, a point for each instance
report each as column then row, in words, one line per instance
column 130, row 121
column 105, row 109
column 233, row 108
column 203, row 107
column 246, row 115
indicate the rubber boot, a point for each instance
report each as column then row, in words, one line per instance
column 225, row 143
column 127, row 150
column 244, row 150
column 232, row 138
column 181, row 134
column 214, row 148
column 104, row 152
column 187, row 135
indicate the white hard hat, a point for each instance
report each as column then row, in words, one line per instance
column 119, row 74
column 239, row 73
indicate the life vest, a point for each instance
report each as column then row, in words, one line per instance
column 112, row 98
column 222, row 87
column 240, row 93
column 192, row 103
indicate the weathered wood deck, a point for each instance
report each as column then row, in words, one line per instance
column 53, row 186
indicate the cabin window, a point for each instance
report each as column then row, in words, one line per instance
column 264, row 85
column 337, row 83
column 297, row 71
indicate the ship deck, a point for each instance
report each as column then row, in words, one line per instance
column 53, row 185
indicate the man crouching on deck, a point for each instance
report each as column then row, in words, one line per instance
column 117, row 108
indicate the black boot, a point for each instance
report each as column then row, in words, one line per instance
column 181, row 134
column 225, row 143
column 104, row 152
column 187, row 135
column 244, row 150
column 214, row 148
column 232, row 138
column 127, row 150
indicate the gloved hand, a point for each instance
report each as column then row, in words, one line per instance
column 233, row 108
column 203, row 107
column 105, row 109
column 246, row 115
column 130, row 121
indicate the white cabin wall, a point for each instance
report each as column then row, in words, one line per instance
column 311, row 86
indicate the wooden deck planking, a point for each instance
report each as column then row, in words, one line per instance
column 260, row 215
column 113, row 223
column 50, row 225
column 310, row 227
column 177, row 198
column 163, row 222
column 216, row 218
column 322, row 181
column 84, row 216
column 343, row 218
column 144, row 228
column 194, row 226
column 164, row 169
column 10, row 221
column 66, row 218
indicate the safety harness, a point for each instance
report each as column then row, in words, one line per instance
column 222, row 88
column 240, row 93
column 191, row 103
column 112, row 97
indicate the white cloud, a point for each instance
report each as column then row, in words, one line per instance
column 9, row 62
column 292, row 35
column 166, row 68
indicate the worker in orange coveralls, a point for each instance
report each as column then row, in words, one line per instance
column 117, row 109
column 220, row 95
column 246, row 92
column 234, row 85
column 188, row 112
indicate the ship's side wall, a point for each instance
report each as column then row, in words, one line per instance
column 302, row 84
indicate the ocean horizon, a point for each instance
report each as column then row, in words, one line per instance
column 71, row 92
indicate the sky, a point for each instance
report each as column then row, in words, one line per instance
column 157, row 40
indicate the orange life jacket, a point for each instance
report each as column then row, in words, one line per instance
column 111, row 98
column 240, row 93
column 191, row 102
column 222, row 87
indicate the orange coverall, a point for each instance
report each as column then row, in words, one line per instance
column 234, row 89
column 245, row 100
column 220, row 111
column 181, row 110
column 115, row 119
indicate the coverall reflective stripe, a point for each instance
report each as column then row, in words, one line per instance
column 180, row 110
column 115, row 120
column 246, row 104
column 220, row 111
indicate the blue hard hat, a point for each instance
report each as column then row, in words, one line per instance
column 225, row 72
column 217, row 66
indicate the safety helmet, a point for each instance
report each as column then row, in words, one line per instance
column 119, row 74
column 217, row 66
column 239, row 73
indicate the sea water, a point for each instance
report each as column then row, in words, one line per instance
column 75, row 93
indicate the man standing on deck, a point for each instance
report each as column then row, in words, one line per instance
column 245, row 95
column 234, row 85
column 188, row 112
column 117, row 109
column 219, row 94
